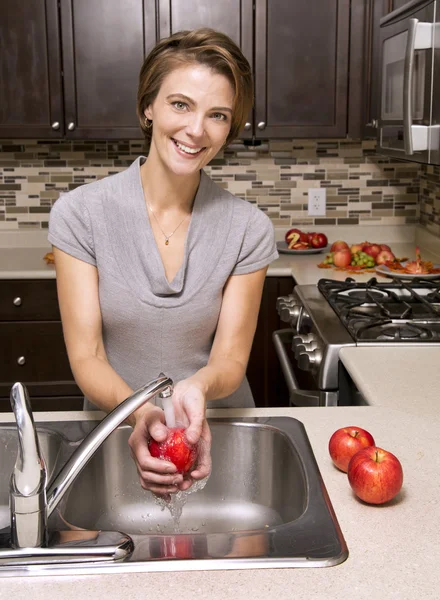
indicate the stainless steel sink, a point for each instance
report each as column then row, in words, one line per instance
column 264, row 505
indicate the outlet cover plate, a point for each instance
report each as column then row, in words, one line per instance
column 317, row 202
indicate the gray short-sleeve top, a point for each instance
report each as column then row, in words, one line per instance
column 150, row 325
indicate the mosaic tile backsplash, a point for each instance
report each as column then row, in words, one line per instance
column 362, row 187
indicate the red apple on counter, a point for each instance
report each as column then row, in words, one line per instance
column 385, row 247
column 375, row 475
column 339, row 245
column 309, row 236
column 319, row 240
column 384, row 256
column 289, row 234
column 342, row 258
column 346, row 442
column 372, row 250
column 175, row 449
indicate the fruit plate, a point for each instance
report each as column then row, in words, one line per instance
column 283, row 249
column 384, row 270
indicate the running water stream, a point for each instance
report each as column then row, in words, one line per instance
column 178, row 500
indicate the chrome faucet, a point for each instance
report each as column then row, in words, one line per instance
column 31, row 503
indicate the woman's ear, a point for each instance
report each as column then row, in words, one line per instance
column 147, row 113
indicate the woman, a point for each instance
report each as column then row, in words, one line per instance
column 158, row 268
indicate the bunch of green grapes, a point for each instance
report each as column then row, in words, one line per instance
column 362, row 259
column 328, row 260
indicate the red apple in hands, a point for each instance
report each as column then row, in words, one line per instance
column 375, row 475
column 175, row 449
column 319, row 240
column 346, row 442
column 342, row 258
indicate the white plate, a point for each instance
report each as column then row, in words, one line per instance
column 283, row 249
column 384, row 270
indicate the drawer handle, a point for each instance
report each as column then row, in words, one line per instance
column 17, row 301
column 21, row 360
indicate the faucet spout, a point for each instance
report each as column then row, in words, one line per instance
column 29, row 477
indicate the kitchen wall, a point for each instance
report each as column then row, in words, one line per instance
column 362, row 188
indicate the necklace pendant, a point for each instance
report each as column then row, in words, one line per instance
column 167, row 241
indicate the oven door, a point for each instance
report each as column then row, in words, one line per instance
column 302, row 388
column 407, row 42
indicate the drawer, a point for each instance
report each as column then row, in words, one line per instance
column 29, row 300
column 48, row 403
column 33, row 352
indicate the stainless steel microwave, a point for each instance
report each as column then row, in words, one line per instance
column 409, row 114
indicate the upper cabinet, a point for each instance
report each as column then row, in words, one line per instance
column 104, row 43
column 301, row 68
column 69, row 68
column 30, row 70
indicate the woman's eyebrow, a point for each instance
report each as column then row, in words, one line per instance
column 191, row 101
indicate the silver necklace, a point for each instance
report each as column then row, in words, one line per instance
column 167, row 237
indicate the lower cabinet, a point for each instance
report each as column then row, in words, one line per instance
column 264, row 370
column 32, row 348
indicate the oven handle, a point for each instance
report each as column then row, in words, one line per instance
column 281, row 337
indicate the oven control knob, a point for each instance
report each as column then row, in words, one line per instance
column 285, row 304
column 303, row 338
column 308, row 360
column 300, row 348
column 285, row 300
column 290, row 314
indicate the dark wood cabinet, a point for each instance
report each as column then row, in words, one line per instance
column 364, row 82
column 264, row 371
column 104, row 43
column 301, row 68
column 69, row 68
column 32, row 348
column 31, row 101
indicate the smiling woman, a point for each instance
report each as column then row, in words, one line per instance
column 158, row 268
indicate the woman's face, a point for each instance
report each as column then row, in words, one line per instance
column 191, row 118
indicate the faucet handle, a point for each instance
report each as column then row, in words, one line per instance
column 29, row 477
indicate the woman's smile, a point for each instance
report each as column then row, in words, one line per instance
column 187, row 150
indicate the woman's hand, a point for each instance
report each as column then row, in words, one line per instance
column 189, row 405
column 157, row 475
column 160, row 476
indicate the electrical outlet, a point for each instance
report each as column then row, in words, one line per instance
column 317, row 202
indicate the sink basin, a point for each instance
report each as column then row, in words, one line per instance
column 264, row 505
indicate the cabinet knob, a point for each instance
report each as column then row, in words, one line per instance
column 16, row 301
column 261, row 125
column 247, row 126
column 55, row 125
column 373, row 123
column 21, row 360
column 71, row 126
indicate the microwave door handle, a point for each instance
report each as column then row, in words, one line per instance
column 281, row 337
column 407, row 86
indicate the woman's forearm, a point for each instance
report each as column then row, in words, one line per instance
column 100, row 383
column 220, row 378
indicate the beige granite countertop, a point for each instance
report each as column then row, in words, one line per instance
column 394, row 549
column 406, row 379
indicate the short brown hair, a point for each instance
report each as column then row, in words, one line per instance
column 201, row 46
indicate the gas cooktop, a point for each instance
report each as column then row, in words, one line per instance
column 395, row 311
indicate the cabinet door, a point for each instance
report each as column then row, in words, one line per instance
column 365, row 66
column 104, row 44
column 30, row 70
column 301, row 68
column 233, row 17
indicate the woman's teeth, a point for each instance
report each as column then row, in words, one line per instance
column 187, row 149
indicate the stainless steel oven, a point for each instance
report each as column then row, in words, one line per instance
column 331, row 315
column 409, row 115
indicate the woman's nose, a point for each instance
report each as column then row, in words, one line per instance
column 195, row 125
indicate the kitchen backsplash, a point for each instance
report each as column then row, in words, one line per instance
column 430, row 198
column 362, row 188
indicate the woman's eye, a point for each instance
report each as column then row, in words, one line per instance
column 219, row 116
column 179, row 105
